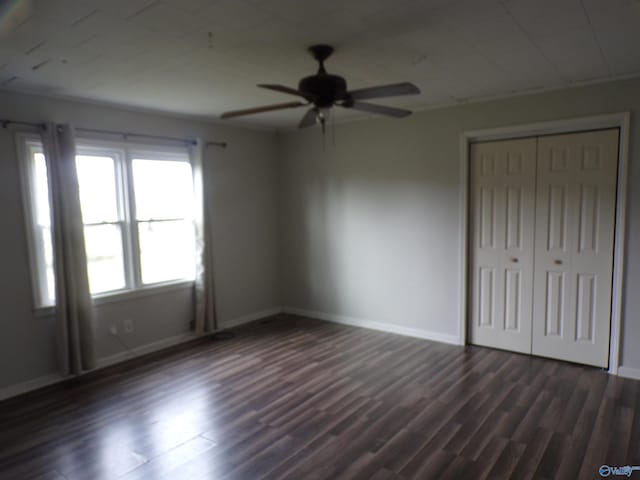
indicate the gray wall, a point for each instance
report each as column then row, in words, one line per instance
column 371, row 227
column 368, row 229
column 243, row 182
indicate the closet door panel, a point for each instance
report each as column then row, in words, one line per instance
column 501, row 247
column 575, row 219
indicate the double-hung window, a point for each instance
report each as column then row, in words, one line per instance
column 38, row 217
column 137, row 211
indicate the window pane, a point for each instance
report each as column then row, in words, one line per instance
column 49, row 297
column 167, row 250
column 43, row 243
column 98, row 194
column 105, row 261
column 41, row 191
column 163, row 189
column 48, row 284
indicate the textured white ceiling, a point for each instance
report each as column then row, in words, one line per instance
column 203, row 57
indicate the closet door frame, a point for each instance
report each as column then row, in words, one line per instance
column 599, row 122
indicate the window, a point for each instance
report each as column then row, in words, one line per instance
column 137, row 211
column 39, row 222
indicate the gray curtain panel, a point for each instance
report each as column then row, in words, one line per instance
column 205, row 315
column 74, row 310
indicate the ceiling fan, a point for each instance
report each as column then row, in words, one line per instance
column 324, row 90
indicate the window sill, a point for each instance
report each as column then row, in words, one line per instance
column 126, row 295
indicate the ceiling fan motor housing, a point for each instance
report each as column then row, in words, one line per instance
column 324, row 89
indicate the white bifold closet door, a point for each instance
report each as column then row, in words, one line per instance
column 502, row 201
column 541, row 244
column 575, row 221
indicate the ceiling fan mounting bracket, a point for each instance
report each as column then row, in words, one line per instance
column 321, row 52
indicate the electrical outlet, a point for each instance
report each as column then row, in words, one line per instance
column 113, row 329
column 128, row 325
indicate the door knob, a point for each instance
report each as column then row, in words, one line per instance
column 558, row 262
column 514, row 260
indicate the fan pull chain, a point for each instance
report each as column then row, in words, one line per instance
column 333, row 127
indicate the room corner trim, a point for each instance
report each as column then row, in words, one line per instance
column 375, row 325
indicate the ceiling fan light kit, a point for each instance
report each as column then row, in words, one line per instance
column 324, row 90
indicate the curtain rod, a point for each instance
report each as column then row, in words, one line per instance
column 5, row 123
column 189, row 141
column 140, row 135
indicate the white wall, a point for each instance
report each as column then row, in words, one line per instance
column 371, row 227
column 243, row 181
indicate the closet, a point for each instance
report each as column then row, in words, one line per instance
column 542, row 216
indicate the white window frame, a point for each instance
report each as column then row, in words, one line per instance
column 29, row 144
column 123, row 154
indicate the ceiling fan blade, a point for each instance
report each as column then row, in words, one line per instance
column 266, row 108
column 289, row 90
column 309, row 118
column 380, row 109
column 393, row 90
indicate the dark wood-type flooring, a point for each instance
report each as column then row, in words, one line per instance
column 303, row 399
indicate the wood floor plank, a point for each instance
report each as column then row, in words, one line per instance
column 296, row 398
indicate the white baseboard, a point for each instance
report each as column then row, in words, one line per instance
column 250, row 318
column 45, row 381
column 382, row 326
column 171, row 341
column 34, row 384
column 144, row 349
column 29, row 385
column 629, row 372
